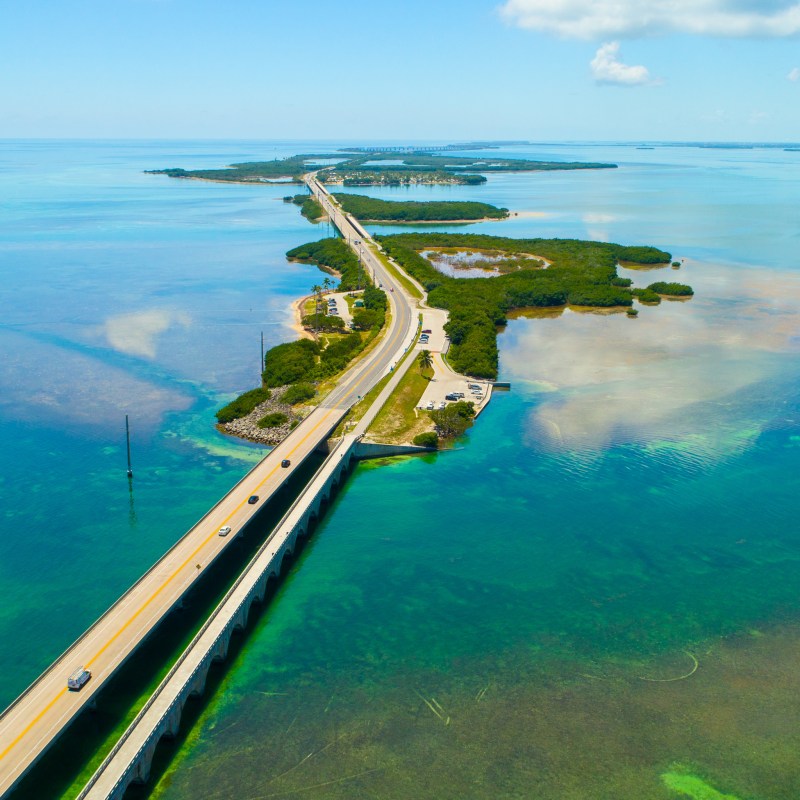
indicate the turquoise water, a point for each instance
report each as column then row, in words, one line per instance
column 123, row 293
column 518, row 618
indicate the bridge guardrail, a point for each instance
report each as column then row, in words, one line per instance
column 127, row 593
column 196, row 639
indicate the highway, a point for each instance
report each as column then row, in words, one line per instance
column 39, row 716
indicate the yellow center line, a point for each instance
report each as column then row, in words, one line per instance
column 174, row 574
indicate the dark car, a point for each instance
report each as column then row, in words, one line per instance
column 427, row 330
column 286, row 462
column 253, row 499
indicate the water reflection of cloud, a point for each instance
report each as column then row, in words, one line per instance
column 680, row 370
column 136, row 333
column 58, row 387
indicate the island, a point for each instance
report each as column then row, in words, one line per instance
column 476, row 279
column 370, row 209
column 376, row 168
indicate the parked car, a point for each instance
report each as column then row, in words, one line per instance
column 286, row 463
column 427, row 330
column 253, row 499
column 224, row 530
column 442, row 405
column 430, row 405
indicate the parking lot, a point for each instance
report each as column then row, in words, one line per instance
column 447, row 385
column 340, row 303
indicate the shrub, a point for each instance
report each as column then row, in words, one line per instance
column 427, row 439
column 676, row 263
column 647, row 296
column 297, row 393
column 338, row 353
column 413, row 210
column 243, row 405
column 671, row 289
column 274, row 420
column 290, row 362
column 365, row 319
column 642, row 255
column 454, row 419
column 323, row 322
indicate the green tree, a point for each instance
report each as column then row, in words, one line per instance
column 297, row 393
column 425, row 360
column 454, row 419
column 273, row 420
column 426, row 439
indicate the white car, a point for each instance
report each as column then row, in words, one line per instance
column 442, row 405
column 430, row 406
column 224, row 530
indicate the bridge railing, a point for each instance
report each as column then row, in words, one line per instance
column 121, row 599
column 301, row 499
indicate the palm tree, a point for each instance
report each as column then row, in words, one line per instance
column 425, row 360
column 316, row 289
column 327, row 284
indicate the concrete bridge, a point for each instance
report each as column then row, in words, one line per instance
column 130, row 760
column 39, row 716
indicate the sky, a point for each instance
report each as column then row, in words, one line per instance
column 540, row 70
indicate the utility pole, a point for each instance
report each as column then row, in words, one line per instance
column 128, row 443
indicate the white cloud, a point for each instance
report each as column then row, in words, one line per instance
column 599, row 19
column 678, row 373
column 607, row 68
column 794, row 75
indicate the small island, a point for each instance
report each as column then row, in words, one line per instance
column 370, row 209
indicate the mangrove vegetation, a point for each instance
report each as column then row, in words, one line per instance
column 310, row 207
column 371, row 209
column 301, row 365
column 579, row 273
column 359, row 168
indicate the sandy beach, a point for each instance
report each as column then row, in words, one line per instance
column 297, row 317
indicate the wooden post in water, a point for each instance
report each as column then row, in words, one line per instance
column 128, row 443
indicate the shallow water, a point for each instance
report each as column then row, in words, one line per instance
column 529, row 623
column 625, row 513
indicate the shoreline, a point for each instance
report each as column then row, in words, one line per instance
column 296, row 325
